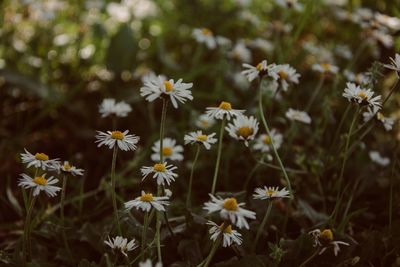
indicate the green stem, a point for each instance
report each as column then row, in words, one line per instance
column 162, row 126
column 113, row 195
column 315, row 93
column 189, row 195
column 26, row 237
column 262, row 225
column 391, row 190
column 144, row 234
column 264, row 121
column 212, row 252
column 309, row 259
column 221, row 136
column 390, row 92
column 63, row 192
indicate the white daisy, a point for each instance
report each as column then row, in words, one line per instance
column 177, row 91
column 110, row 107
column 270, row 193
column 298, row 115
column 287, row 75
column 121, row 244
column 395, row 65
column 148, row 263
column 224, row 110
column 161, row 171
column 387, row 122
column 325, row 68
column 230, row 209
column 230, row 236
column 263, row 142
column 324, row 239
column 68, row 168
column 392, row 23
column 170, row 151
column 243, row 128
column 200, row 138
column 206, row 36
column 39, row 160
column 262, row 68
column 240, row 52
column 359, row 78
column 204, row 122
column 378, row 159
column 146, row 201
column 362, row 96
column 39, row 183
column 290, row 4
column 124, row 140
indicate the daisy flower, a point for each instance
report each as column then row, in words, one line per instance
column 395, row 65
column 270, row 193
column 325, row 68
column 66, row 167
column 243, row 128
column 110, row 107
column 206, row 36
column 298, row 115
column 378, row 159
column 146, row 201
column 204, row 122
column 170, row 151
column 324, row 239
column 362, row 96
column 224, row 110
column 124, row 140
column 161, row 171
column 230, row 209
column 121, row 244
column 287, row 75
column 230, row 236
column 290, row 4
column 39, row 183
column 387, row 122
column 200, row 138
column 159, row 86
column 359, row 78
column 263, row 142
column 262, row 68
column 240, row 52
column 39, row 160
column 148, row 263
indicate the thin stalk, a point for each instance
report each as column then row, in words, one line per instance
column 390, row 92
column 264, row 121
column 26, row 237
column 221, row 136
column 144, row 234
column 212, row 252
column 81, row 196
column 262, row 225
column 113, row 195
column 189, row 195
column 344, row 116
column 391, row 191
column 309, row 259
column 316, row 92
column 63, row 192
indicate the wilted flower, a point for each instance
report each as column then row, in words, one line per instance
column 66, row 167
column 121, row 244
column 324, row 239
column 395, row 65
column 230, row 236
column 39, row 183
column 170, row 150
column 124, row 140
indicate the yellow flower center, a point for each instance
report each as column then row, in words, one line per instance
column 159, row 167
column 67, row 167
column 167, row 151
column 168, row 86
column 201, row 137
column 146, row 197
column 244, row 131
column 283, row 75
column 362, row 94
column 40, row 180
column 225, row 105
column 267, row 140
column 231, row 204
column 41, row 156
column 270, row 192
column 326, row 66
column 259, row 67
column 380, row 116
column 326, row 235
column 117, row 135
column 206, row 32
column 227, row 230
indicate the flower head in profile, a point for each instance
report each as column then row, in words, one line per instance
column 325, row 68
column 199, row 138
column 170, row 151
column 146, row 201
column 157, row 87
column 109, row 107
column 123, row 140
column 386, row 121
column 378, row 159
column 230, row 209
column 243, row 128
column 206, row 36
column 224, row 110
column 262, row 68
column 263, row 141
column 148, row 263
column 287, row 75
column 67, row 168
column 162, row 172
column 121, row 244
column 362, row 96
column 39, row 160
column 39, row 183
column 298, row 115
column 270, row 193
column 324, row 239
column 395, row 65
column 230, row 236
column 204, row 122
